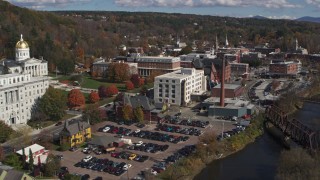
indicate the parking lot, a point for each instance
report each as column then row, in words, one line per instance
column 71, row 158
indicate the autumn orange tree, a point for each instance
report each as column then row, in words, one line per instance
column 111, row 90
column 94, row 97
column 118, row 72
column 135, row 79
column 75, row 98
column 127, row 112
column 129, row 85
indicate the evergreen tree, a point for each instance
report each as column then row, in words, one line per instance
column 31, row 160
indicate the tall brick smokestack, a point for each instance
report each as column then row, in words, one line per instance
column 222, row 83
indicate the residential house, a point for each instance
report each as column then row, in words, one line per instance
column 75, row 132
column 37, row 151
column 14, row 175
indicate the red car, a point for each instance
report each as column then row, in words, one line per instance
column 115, row 154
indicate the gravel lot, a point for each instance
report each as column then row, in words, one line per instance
column 70, row 158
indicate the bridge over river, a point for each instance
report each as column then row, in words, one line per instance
column 295, row 129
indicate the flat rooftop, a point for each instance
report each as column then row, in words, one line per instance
column 227, row 86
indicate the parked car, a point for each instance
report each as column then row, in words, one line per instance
column 127, row 166
column 86, row 150
column 59, row 123
column 132, row 156
column 74, row 148
column 87, row 158
column 106, row 129
column 139, row 143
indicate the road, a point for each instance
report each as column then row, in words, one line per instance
column 18, row 143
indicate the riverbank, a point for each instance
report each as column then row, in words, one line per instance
column 209, row 150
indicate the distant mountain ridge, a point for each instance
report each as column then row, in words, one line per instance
column 309, row 19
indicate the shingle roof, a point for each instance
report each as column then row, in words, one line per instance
column 142, row 101
column 104, row 141
column 71, row 128
column 14, row 174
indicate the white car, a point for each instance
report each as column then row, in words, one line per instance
column 154, row 172
column 126, row 167
column 106, row 129
column 86, row 149
column 139, row 143
column 137, row 131
column 87, row 158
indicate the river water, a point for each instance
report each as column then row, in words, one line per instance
column 259, row 159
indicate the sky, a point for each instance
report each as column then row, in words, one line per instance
column 276, row 9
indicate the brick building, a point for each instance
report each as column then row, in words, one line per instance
column 283, row 68
column 238, row 69
column 231, row 90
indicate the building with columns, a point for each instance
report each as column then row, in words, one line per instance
column 149, row 64
column 22, row 82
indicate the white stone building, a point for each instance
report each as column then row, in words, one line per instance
column 176, row 87
column 22, row 81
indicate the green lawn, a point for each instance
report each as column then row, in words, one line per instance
column 88, row 82
column 47, row 123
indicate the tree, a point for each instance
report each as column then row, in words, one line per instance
column 143, row 90
column 138, row 114
column 141, row 82
column 76, row 98
column 102, row 90
column 31, row 160
column 93, row 114
column 14, row 161
column 5, row 131
column 127, row 112
column 186, row 50
column 118, row 72
column 94, row 97
column 129, row 85
column 53, row 104
column 66, row 66
column 111, row 90
column 2, row 155
column 297, row 164
column 135, row 79
column 52, row 166
column 71, row 177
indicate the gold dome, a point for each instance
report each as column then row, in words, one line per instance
column 22, row 44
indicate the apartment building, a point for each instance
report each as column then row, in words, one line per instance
column 176, row 87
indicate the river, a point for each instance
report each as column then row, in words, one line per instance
column 258, row 160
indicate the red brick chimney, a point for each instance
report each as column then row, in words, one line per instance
column 222, row 83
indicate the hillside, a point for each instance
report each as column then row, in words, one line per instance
column 62, row 36
column 309, row 19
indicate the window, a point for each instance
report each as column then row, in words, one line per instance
column 173, row 101
column 160, row 100
column 173, row 96
column 173, row 86
column 167, row 80
column 173, row 81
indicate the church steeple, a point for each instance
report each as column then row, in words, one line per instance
column 297, row 44
column 227, row 43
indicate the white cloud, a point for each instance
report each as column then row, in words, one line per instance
column 208, row 3
column 282, row 17
column 314, row 2
column 40, row 4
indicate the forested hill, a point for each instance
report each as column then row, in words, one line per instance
column 62, row 36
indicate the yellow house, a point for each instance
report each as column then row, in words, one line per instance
column 14, row 174
column 75, row 132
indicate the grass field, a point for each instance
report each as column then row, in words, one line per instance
column 88, row 82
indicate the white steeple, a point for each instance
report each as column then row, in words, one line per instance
column 217, row 43
column 227, row 43
column 297, row 44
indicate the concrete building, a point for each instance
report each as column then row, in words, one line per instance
column 100, row 67
column 231, row 90
column 22, row 81
column 149, row 64
column 284, row 68
column 238, row 69
column 176, row 87
column 233, row 107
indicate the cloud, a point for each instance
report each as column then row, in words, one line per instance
column 40, row 4
column 208, row 3
column 314, row 2
column 282, row 17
